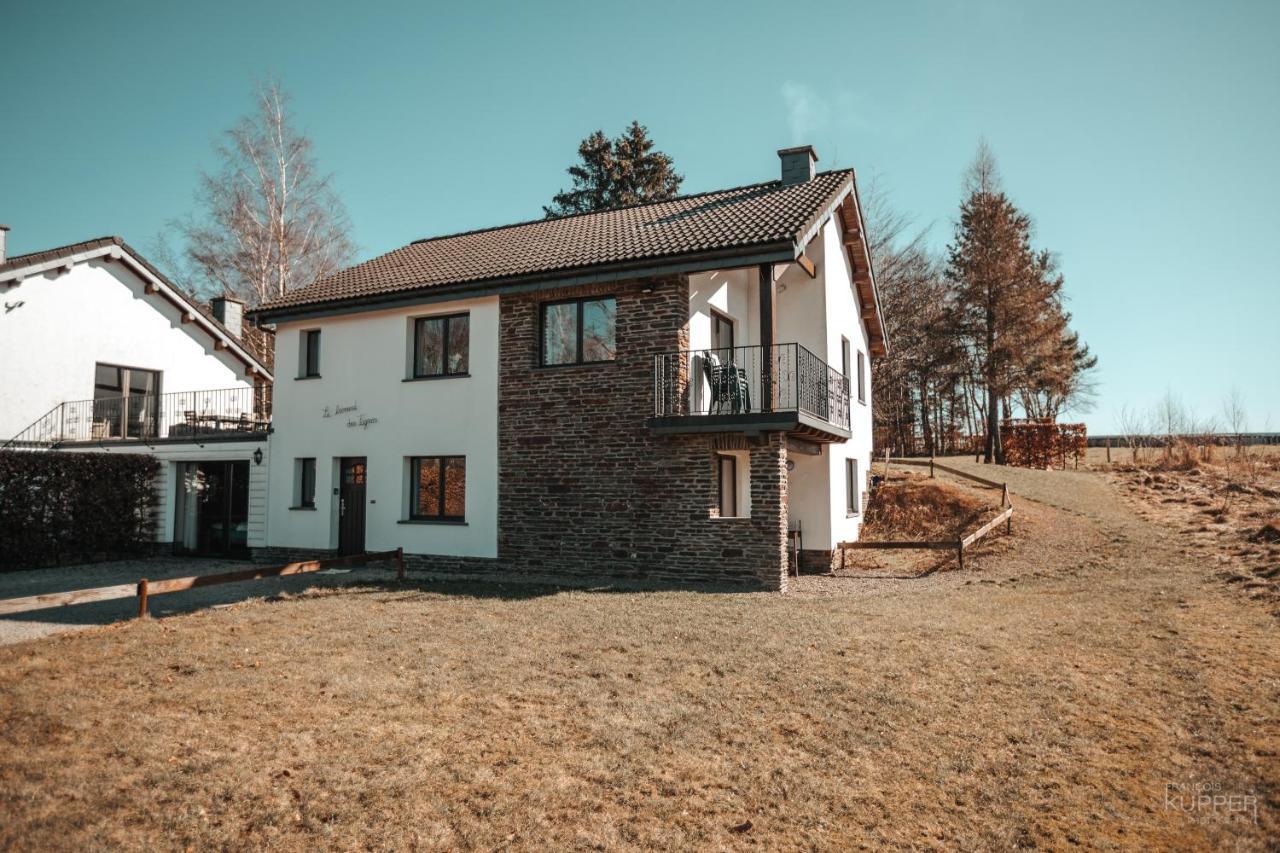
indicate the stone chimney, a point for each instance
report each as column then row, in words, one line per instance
column 228, row 311
column 4, row 240
column 797, row 164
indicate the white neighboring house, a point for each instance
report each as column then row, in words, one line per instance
column 674, row 392
column 100, row 352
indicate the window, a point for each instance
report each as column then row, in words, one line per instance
column 309, row 363
column 721, row 331
column 844, row 357
column 727, row 474
column 306, row 483
column 126, row 402
column 853, row 488
column 437, row 488
column 441, row 346
column 862, row 377
column 579, row 331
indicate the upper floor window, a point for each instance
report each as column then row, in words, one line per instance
column 844, row 357
column 309, row 363
column 862, row 377
column 578, row 331
column 441, row 346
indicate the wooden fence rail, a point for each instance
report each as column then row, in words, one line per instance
column 958, row 545
column 144, row 588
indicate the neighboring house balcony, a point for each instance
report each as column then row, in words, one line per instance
column 224, row 413
column 751, row 389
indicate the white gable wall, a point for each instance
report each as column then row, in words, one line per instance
column 97, row 312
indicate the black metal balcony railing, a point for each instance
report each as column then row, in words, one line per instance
column 750, row 380
column 147, row 417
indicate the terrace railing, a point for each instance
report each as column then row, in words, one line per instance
column 149, row 417
column 750, row 380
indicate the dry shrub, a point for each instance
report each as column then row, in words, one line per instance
column 914, row 507
column 1269, row 532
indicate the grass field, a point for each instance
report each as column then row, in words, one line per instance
column 1049, row 695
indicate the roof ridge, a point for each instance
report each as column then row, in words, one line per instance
column 107, row 238
column 676, row 198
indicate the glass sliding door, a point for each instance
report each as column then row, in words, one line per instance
column 126, row 402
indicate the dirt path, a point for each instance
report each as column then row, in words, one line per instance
column 1077, row 686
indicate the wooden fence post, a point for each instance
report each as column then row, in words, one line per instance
column 931, row 474
column 400, row 563
column 960, row 553
column 1004, row 496
column 142, row 599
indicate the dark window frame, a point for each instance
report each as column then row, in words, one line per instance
column 305, row 501
column 418, row 322
column 310, row 367
column 719, row 318
column 126, row 394
column 845, row 349
column 580, row 302
column 862, row 377
column 721, row 459
column 415, row 483
column 853, row 490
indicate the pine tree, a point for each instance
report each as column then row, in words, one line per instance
column 617, row 172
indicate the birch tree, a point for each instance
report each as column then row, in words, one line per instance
column 269, row 220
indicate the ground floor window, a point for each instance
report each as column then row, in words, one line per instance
column 438, row 488
column 728, row 486
column 853, row 488
column 305, row 483
column 733, row 484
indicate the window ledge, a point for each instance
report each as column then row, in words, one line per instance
column 441, row 376
column 729, row 518
column 455, row 522
column 575, row 364
column 853, row 515
column 303, row 508
column 300, row 378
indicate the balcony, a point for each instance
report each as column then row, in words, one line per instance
column 226, row 413
column 751, row 389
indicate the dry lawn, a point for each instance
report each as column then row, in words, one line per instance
column 910, row 506
column 1046, row 696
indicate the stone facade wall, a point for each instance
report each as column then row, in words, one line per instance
column 586, row 490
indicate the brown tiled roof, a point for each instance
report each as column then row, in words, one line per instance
column 739, row 218
column 57, row 252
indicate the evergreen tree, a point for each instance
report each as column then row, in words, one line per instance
column 616, row 172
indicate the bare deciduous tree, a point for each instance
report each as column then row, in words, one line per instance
column 1133, row 426
column 270, row 222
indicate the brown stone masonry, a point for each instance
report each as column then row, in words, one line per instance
column 586, row 490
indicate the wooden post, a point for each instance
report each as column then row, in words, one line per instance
column 1008, row 525
column 1004, row 496
column 142, row 599
column 400, row 563
column 768, row 364
column 931, row 467
column 960, row 552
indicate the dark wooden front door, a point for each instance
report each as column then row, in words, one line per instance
column 351, row 504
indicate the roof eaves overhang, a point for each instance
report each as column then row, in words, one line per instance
column 750, row 255
column 118, row 252
column 844, row 200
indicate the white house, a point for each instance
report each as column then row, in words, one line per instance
column 676, row 392
column 100, row 352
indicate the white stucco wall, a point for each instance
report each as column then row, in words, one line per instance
column 815, row 313
column 96, row 312
column 363, row 363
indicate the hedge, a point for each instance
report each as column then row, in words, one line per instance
column 72, row 507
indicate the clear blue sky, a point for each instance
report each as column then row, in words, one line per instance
column 1143, row 137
